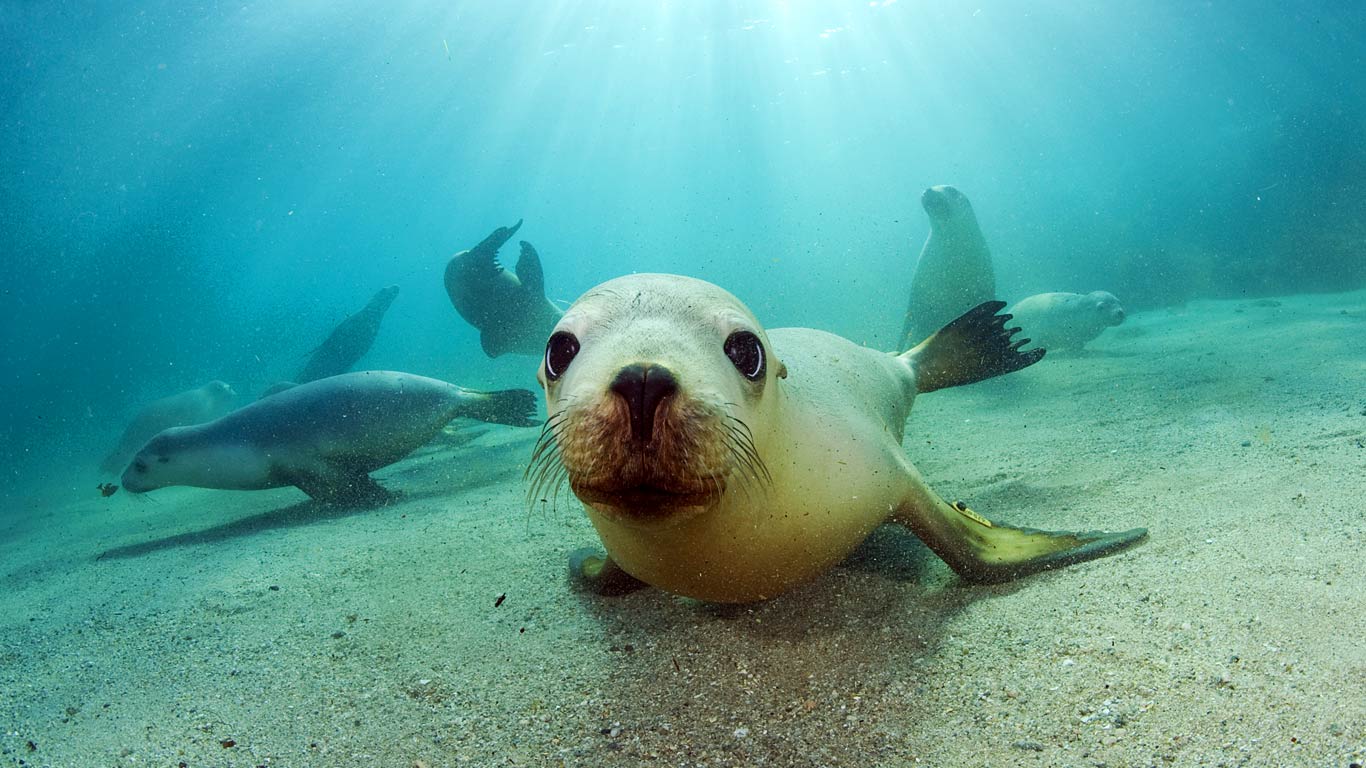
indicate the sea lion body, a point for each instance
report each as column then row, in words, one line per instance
column 726, row 463
column 349, row 341
column 954, row 272
column 510, row 310
column 324, row 436
column 1066, row 321
column 193, row 406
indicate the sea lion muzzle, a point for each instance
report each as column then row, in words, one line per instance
column 643, row 387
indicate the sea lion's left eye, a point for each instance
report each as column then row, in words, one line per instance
column 746, row 353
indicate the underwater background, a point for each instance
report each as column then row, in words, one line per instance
column 201, row 190
column 193, row 191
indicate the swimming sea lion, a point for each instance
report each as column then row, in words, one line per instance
column 193, row 406
column 349, row 341
column 324, row 437
column 1067, row 320
column 510, row 311
column 729, row 464
column 954, row 272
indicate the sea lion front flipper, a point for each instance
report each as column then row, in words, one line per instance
column 342, row 487
column 529, row 270
column 593, row 572
column 974, row 346
column 986, row 552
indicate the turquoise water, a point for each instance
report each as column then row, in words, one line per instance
column 199, row 191
column 192, row 191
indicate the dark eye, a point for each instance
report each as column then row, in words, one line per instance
column 746, row 353
column 139, row 466
column 559, row 353
column 163, row 459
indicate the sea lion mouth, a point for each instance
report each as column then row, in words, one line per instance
column 646, row 501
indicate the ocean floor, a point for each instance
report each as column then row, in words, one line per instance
column 205, row 628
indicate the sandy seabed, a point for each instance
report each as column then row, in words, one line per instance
column 204, row 628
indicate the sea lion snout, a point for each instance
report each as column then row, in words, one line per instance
column 643, row 387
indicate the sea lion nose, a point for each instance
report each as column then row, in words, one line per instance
column 642, row 386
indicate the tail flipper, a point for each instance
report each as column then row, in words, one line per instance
column 514, row 407
column 974, row 347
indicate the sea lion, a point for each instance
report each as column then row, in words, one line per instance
column 324, row 437
column 349, row 341
column 192, row 406
column 954, row 272
column 511, row 311
column 1066, row 321
column 727, row 463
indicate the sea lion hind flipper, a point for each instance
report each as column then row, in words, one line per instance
column 985, row 552
column 342, row 487
column 592, row 572
column 529, row 270
column 514, row 407
column 973, row 347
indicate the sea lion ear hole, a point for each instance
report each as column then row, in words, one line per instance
column 746, row 353
column 559, row 353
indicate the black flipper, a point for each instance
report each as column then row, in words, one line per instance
column 488, row 247
column 343, row 488
column 529, row 270
column 975, row 346
column 595, row 573
column 514, row 407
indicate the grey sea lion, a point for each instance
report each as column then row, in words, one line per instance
column 192, row 406
column 324, row 437
column 727, row 463
column 1066, row 321
column 510, row 310
column 350, row 340
column 954, row 272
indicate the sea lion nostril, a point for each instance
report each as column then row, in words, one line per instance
column 642, row 387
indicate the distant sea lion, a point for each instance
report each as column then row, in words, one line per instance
column 1066, row 321
column 350, row 340
column 193, row 406
column 954, row 272
column 324, row 437
column 729, row 464
column 511, row 311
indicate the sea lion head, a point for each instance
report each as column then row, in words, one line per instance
column 658, row 388
column 1107, row 307
column 944, row 204
column 183, row 456
column 382, row 299
column 220, row 391
column 156, row 464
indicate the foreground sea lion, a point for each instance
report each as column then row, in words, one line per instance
column 193, row 406
column 1067, row 321
column 349, row 341
column 510, row 311
column 954, row 271
column 726, row 463
column 324, row 437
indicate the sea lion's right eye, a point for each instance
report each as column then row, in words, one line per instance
column 559, row 353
